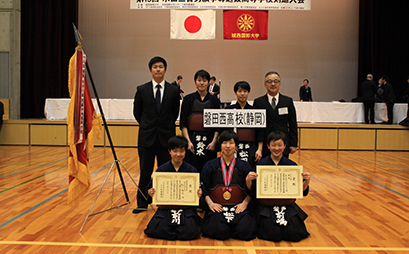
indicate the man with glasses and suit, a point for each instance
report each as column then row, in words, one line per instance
column 281, row 114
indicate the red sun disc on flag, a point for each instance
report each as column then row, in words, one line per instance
column 193, row 24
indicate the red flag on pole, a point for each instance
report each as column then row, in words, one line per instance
column 245, row 25
column 82, row 122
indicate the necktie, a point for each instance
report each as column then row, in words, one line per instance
column 157, row 97
column 273, row 103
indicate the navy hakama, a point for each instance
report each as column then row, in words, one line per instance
column 174, row 223
column 280, row 219
column 227, row 224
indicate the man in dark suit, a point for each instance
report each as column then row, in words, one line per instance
column 405, row 122
column 368, row 89
column 386, row 94
column 176, row 83
column 305, row 91
column 214, row 88
column 1, row 112
column 281, row 114
column 156, row 108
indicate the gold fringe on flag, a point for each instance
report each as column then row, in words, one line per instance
column 78, row 172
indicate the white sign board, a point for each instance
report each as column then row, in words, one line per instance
column 230, row 118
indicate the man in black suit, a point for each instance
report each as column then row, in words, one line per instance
column 386, row 94
column 214, row 88
column 1, row 112
column 405, row 122
column 305, row 91
column 281, row 114
column 176, row 83
column 156, row 108
column 368, row 89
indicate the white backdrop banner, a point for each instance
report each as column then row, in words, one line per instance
column 301, row 5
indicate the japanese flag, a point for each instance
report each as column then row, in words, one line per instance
column 192, row 25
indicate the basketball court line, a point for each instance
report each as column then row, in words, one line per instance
column 35, row 178
column 19, row 168
column 393, row 165
column 45, row 201
column 392, row 172
column 34, row 168
column 363, row 177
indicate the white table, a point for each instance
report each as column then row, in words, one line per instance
column 344, row 112
column 307, row 112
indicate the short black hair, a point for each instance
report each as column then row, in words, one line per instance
column 306, row 80
column 243, row 85
column 177, row 142
column 276, row 135
column 386, row 78
column 157, row 59
column 213, row 78
column 203, row 74
column 179, row 77
column 227, row 135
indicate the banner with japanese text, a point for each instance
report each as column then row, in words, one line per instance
column 245, row 25
column 231, row 118
column 297, row 5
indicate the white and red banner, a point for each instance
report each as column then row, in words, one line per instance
column 192, row 25
column 245, row 25
column 292, row 5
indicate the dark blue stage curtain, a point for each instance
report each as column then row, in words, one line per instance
column 47, row 43
column 383, row 42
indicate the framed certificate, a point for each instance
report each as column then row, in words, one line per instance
column 175, row 188
column 279, row 182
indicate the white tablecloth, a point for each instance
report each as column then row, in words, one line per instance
column 329, row 112
column 344, row 112
column 307, row 112
column 56, row 109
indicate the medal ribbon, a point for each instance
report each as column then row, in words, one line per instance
column 227, row 176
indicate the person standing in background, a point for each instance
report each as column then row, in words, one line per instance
column 214, row 88
column 368, row 89
column 176, row 83
column 387, row 95
column 405, row 122
column 305, row 91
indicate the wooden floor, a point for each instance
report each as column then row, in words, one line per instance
column 358, row 203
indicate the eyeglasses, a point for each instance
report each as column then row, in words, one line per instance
column 275, row 81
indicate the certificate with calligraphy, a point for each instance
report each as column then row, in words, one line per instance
column 175, row 188
column 279, row 182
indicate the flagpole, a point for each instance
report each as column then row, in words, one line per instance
column 107, row 132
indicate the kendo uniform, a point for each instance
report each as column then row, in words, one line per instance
column 279, row 219
column 227, row 224
column 174, row 222
column 248, row 139
column 191, row 117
